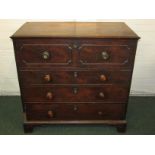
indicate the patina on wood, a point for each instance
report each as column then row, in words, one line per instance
column 75, row 72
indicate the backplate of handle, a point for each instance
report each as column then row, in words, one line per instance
column 45, row 55
column 105, row 55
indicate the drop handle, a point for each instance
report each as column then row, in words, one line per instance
column 105, row 55
column 45, row 55
column 75, row 108
column 75, row 90
column 75, row 74
column 49, row 95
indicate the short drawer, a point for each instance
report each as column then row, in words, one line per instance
column 75, row 111
column 37, row 77
column 113, row 55
column 33, row 77
column 42, row 55
column 103, row 77
column 105, row 93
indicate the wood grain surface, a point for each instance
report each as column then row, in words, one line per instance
column 75, row 29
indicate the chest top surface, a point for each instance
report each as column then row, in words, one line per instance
column 75, row 30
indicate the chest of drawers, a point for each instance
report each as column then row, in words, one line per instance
column 74, row 72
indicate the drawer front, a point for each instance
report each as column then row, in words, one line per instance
column 114, row 55
column 46, row 77
column 32, row 77
column 75, row 111
column 106, row 93
column 103, row 77
column 32, row 55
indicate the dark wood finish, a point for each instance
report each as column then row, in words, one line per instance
column 112, row 93
column 75, row 73
column 48, row 77
column 32, row 124
column 70, row 56
column 105, row 55
column 107, row 122
column 75, row 111
column 75, row 29
column 34, row 54
column 37, row 77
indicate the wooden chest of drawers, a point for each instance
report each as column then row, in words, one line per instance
column 74, row 72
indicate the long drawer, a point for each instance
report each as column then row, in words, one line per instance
column 75, row 111
column 37, row 77
column 86, row 93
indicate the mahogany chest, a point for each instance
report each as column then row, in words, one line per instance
column 75, row 72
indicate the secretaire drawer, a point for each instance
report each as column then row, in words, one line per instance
column 75, row 111
column 37, row 77
column 106, row 93
column 112, row 55
column 41, row 55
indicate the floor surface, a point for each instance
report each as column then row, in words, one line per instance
column 140, row 117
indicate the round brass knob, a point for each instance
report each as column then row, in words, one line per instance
column 103, row 78
column 49, row 95
column 105, row 55
column 47, row 78
column 101, row 94
column 45, row 55
column 50, row 114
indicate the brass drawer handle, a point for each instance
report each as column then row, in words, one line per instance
column 75, row 74
column 103, row 78
column 49, row 95
column 50, row 114
column 101, row 95
column 45, row 55
column 105, row 55
column 47, row 78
